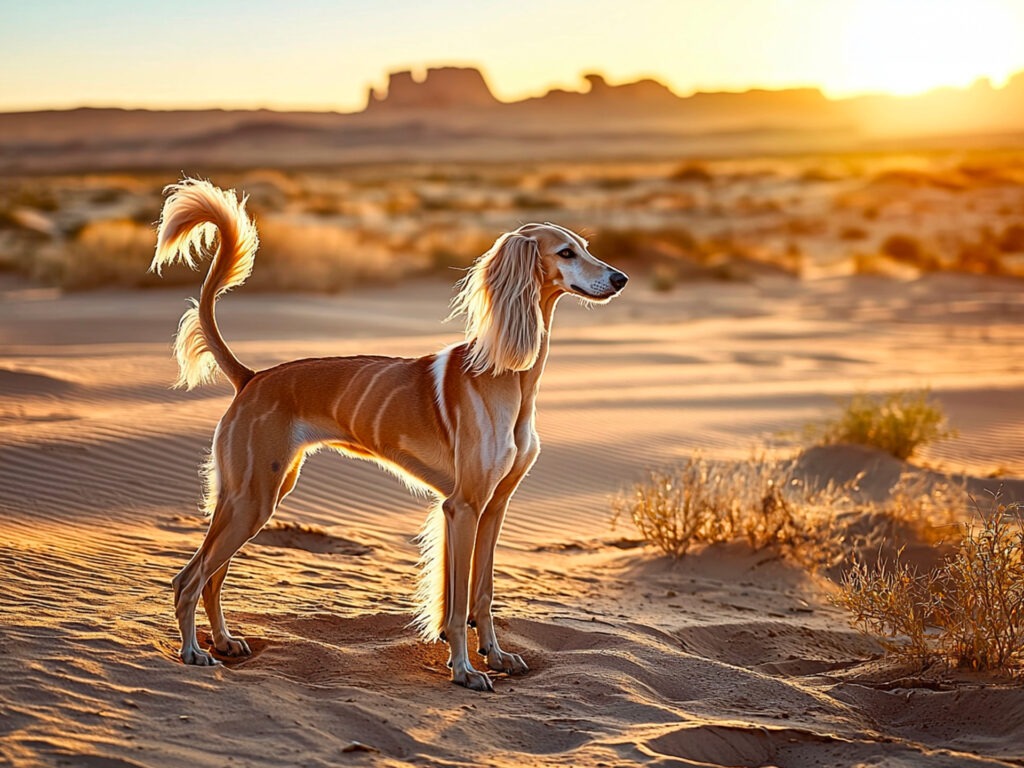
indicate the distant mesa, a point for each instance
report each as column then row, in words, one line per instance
column 646, row 91
column 441, row 88
column 645, row 95
column 452, row 89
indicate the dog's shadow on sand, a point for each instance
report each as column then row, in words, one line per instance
column 327, row 650
column 311, row 538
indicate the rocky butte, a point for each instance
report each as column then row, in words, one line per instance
column 441, row 88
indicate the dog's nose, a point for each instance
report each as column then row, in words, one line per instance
column 618, row 280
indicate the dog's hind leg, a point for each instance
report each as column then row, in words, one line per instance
column 235, row 520
column 223, row 640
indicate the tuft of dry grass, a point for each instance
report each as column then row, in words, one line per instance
column 692, row 173
column 293, row 256
column 907, row 249
column 645, row 246
column 932, row 510
column 853, row 232
column 1012, row 239
column 318, row 256
column 758, row 502
column 112, row 253
column 893, row 603
column 969, row 612
column 897, row 423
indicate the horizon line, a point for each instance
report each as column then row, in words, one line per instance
column 419, row 75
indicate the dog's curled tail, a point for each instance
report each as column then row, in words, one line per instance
column 193, row 212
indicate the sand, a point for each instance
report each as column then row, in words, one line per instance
column 725, row 658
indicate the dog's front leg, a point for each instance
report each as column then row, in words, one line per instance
column 460, row 536
column 483, row 589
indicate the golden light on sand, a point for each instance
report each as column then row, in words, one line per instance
column 911, row 46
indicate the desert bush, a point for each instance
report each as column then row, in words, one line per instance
column 805, row 225
column 316, row 256
column 969, row 612
column 113, row 253
column 553, row 181
column 813, row 175
column 908, row 177
column 907, row 249
column 614, row 183
column 982, row 173
column 1012, row 239
column 981, row 256
column 36, row 197
column 897, row 423
column 691, row 172
column 870, row 264
column 293, row 256
column 758, row 502
column 980, row 609
column 853, row 232
column 893, row 603
column 931, row 510
column 446, row 250
column 533, row 201
column 626, row 243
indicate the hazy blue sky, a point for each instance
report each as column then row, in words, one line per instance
column 323, row 55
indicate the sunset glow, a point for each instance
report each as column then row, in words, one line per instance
column 324, row 56
column 912, row 46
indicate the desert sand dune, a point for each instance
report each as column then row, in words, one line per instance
column 725, row 658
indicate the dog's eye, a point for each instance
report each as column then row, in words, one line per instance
column 567, row 253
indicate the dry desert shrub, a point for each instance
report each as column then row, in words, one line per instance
column 853, row 232
column 317, row 256
column 932, row 510
column 907, row 249
column 980, row 256
column 759, row 502
column 912, row 178
column 1012, row 239
column 293, row 256
column 969, row 612
column 898, row 423
column 692, row 173
column 646, row 246
column 880, row 265
column 112, row 254
column 893, row 603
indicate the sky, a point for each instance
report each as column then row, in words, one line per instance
column 320, row 55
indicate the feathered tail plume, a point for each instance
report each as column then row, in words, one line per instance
column 432, row 592
column 193, row 212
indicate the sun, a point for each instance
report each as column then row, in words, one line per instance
column 907, row 47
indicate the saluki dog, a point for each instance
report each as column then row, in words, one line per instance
column 458, row 423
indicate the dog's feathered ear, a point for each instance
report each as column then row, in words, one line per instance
column 500, row 297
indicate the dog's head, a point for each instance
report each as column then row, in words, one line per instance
column 502, row 293
column 567, row 265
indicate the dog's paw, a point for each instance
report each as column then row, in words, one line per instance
column 509, row 663
column 197, row 657
column 472, row 679
column 233, row 646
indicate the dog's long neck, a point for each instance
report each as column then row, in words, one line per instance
column 531, row 377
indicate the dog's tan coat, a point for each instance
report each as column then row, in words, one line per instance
column 459, row 423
